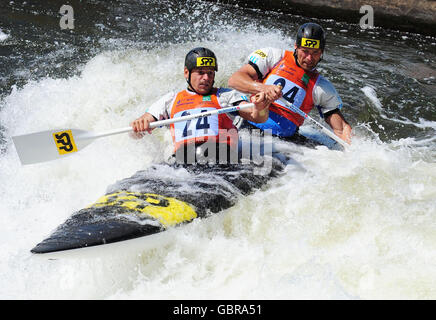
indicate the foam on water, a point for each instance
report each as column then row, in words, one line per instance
column 342, row 225
column 351, row 225
column 3, row 36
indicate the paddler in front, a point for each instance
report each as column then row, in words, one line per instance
column 212, row 137
column 293, row 75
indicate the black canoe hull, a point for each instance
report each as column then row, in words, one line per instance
column 155, row 199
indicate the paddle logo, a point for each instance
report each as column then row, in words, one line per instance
column 310, row 43
column 64, row 142
column 205, row 62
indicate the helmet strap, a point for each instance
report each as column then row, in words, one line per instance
column 189, row 82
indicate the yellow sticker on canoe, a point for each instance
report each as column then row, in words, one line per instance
column 206, row 62
column 310, row 43
column 168, row 211
column 64, row 142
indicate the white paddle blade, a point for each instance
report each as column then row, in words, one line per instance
column 50, row 145
column 55, row 144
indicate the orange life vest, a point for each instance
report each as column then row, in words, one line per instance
column 212, row 128
column 297, row 87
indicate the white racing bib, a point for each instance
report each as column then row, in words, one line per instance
column 291, row 91
column 195, row 128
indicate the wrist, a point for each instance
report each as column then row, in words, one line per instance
column 257, row 87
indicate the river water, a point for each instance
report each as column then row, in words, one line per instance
column 358, row 224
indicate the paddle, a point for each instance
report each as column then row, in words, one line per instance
column 319, row 125
column 55, row 144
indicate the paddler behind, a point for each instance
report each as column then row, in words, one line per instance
column 213, row 137
column 293, row 75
